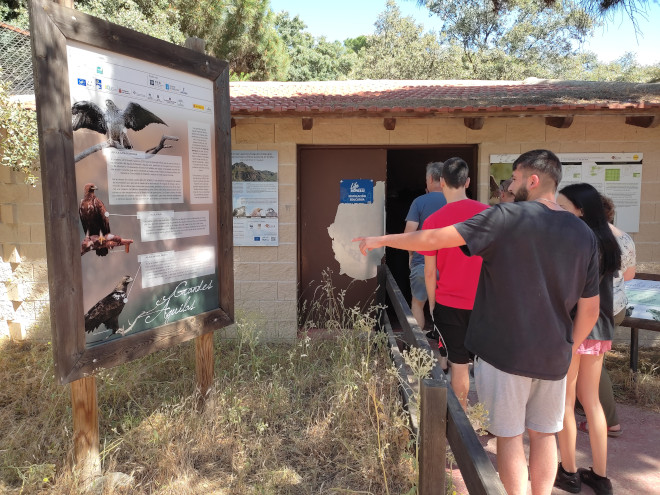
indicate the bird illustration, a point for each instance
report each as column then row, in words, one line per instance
column 107, row 310
column 113, row 122
column 239, row 212
column 256, row 212
column 270, row 212
column 93, row 216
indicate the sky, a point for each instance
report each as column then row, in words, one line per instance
column 341, row 19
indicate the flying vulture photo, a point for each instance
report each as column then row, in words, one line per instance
column 113, row 122
column 107, row 310
column 93, row 217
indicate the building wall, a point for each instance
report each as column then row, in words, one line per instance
column 24, row 305
column 266, row 277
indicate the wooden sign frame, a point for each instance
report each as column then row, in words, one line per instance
column 51, row 26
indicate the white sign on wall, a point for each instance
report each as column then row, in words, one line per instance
column 618, row 176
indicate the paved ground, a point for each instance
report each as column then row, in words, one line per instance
column 633, row 458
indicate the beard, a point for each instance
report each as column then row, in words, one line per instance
column 521, row 194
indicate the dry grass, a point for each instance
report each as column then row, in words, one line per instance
column 644, row 391
column 320, row 417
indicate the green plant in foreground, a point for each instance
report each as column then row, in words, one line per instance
column 20, row 141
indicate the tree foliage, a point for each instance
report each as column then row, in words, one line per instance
column 239, row 31
column 399, row 50
column 522, row 38
column 313, row 59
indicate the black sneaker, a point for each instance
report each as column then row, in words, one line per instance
column 433, row 334
column 569, row 482
column 600, row 484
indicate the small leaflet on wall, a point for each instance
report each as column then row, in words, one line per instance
column 255, row 201
column 618, row 176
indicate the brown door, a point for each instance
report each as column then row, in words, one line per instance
column 320, row 172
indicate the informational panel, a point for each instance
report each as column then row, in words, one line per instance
column 255, row 202
column 618, row 176
column 135, row 158
column 643, row 299
column 143, row 137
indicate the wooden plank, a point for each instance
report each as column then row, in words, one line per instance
column 433, row 436
column 559, row 122
column 84, row 28
column 132, row 347
column 86, row 427
column 223, row 186
column 402, row 368
column 59, row 196
column 634, row 349
column 413, row 335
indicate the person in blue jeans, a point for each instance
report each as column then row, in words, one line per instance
column 420, row 209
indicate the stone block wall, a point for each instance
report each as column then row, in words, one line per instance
column 24, row 304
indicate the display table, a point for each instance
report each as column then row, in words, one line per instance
column 643, row 310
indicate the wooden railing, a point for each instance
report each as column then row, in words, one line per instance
column 476, row 469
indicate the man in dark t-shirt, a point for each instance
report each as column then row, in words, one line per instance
column 538, row 264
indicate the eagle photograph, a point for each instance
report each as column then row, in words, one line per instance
column 107, row 310
column 114, row 123
column 94, row 217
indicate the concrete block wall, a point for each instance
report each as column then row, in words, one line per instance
column 266, row 277
column 24, row 304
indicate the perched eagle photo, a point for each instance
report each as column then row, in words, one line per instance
column 113, row 122
column 107, row 310
column 93, row 216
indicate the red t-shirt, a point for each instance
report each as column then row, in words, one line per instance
column 458, row 274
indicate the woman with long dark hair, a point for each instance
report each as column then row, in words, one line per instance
column 583, row 377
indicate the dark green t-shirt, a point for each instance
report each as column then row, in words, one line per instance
column 537, row 263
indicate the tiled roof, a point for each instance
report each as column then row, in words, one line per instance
column 440, row 97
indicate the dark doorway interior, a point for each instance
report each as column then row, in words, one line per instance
column 406, row 170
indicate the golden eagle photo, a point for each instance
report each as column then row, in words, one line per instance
column 93, row 217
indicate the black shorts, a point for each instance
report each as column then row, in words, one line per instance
column 452, row 324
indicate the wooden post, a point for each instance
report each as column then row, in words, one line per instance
column 86, row 427
column 85, row 410
column 203, row 343
column 433, row 437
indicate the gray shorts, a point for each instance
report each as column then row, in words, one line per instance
column 517, row 402
column 417, row 283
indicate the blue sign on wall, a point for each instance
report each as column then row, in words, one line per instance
column 356, row 191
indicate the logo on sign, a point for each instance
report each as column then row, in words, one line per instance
column 82, row 82
column 355, row 188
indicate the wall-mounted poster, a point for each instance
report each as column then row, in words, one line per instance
column 617, row 175
column 255, row 202
column 143, row 143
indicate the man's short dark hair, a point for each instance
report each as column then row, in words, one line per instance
column 542, row 162
column 434, row 170
column 455, row 172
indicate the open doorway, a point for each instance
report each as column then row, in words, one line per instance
column 320, row 170
column 406, row 174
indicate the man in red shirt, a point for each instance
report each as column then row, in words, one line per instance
column 451, row 295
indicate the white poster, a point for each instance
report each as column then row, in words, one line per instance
column 618, row 176
column 255, row 197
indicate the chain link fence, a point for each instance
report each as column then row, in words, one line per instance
column 16, row 60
